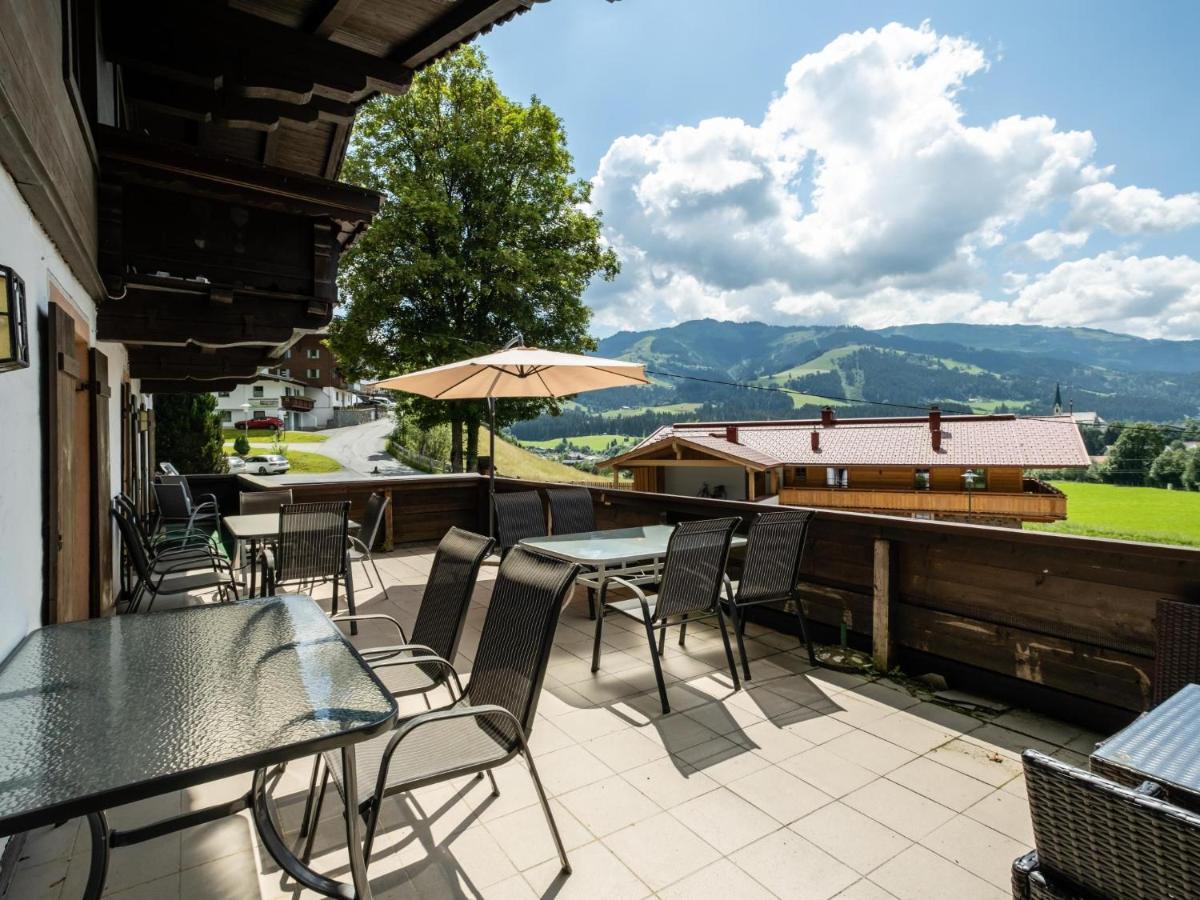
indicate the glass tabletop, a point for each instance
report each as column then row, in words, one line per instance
column 616, row 545
column 1163, row 744
column 260, row 525
column 98, row 713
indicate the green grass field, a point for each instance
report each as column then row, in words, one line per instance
column 286, row 437
column 515, row 462
column 596, row 443
column 638, row 410
column 302, row 463
column 1145, row 514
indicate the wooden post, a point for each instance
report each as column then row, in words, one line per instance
column 389, row 524
column 749, row 484
column 881, row 636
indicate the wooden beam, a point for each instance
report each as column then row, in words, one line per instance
column 749, row 484
column 327, row 16
column 882, row 644
column 719, row 463
column 191, row 362
column 461, row 23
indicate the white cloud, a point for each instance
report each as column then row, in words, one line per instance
column 1155, row 297
column 1052, row 244
column 862, row 196
column 1132, row 210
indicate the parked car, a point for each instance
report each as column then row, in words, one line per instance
column 267, row 464
column 235, row 464
column 266, row 423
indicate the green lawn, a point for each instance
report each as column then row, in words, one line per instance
column 1152, row 515
column 596, row 443
column 518, row 463
column 638, row 410
column 286, row 437
column 302, row 463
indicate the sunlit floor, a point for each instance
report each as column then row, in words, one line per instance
column 808, row 784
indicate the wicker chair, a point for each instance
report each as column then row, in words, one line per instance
column 420, row 666
column 253, row 503
column 769, row 572
column 362, row 543
column 519, row 515
column 169, row 568
column 490, row 723
column 310, row 549
column 690, row 589
column 572, row 512
column 1177, row 648
column 1099, row 840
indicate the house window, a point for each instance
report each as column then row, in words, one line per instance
column 257, row 390
column 286, row 373
column 975, row 479
column 222, row 393
column 260, row 414
column 921, row 479
column 227, row 415
column 287, row 354
column 314, row 353
column 312, row 373
column 836, row 477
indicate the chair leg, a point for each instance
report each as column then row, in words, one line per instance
column 591, row 595
column 537, row 783
column 736, row 616
column 334, row 605
column 662, row 639
column 599, row 627
column 316, row 816
column 492, row 779
column 379, row 578
column 683, row 630
column 812, row 657
column 737, row 685
column 312, row 796
column 658, row 675
column 372, row 823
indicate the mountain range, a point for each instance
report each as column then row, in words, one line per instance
column 983, row 368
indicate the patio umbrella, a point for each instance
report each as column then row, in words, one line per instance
column 518, row 372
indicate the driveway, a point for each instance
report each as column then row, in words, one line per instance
column 360, row 448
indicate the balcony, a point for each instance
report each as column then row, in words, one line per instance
column 296, row 404
column 1038, row 503
column 807, row 782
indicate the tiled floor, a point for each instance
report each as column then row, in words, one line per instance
column 806, row 784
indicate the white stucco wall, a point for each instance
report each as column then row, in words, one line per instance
column 26, row 248
column 688, row 481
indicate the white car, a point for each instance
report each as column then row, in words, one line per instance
column 267, row 464
column 235, row 465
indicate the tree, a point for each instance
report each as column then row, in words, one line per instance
column 483, row 235
column 241, row 444
column 1169, row 467
column 1191, row 474
column 1135, row 450
column 188, row 433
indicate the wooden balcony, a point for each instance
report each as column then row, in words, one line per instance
column 1038, row 503
column 296, row 404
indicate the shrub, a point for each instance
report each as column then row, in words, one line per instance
column 241, row 445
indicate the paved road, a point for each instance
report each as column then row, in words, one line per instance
column 360, row 448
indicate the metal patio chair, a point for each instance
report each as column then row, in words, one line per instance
column 770, row 570
column 169, row 570
column 310, row 549
column 177, row 508
column 490, row 723
column 420, row 665
column 1098, row 839
column 690, row 589
column 519, row 515
column 572, row 512
column 362, row 543
column 253, row 503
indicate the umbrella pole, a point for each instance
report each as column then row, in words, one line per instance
column 491, row 401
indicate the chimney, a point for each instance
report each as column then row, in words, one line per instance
column 731, row 433
column 935, row 428
column 816, row 441
column 936, row 436
column 828, row 417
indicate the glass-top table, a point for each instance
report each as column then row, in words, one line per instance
column 104, row 712
column 256, row 527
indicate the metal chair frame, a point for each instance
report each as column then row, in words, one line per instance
column 361, row 544
column 305, row 563
column 683, row 578
column 572, row 512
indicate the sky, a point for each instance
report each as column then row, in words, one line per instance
column 879, row 163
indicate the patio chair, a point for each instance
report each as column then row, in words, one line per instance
column 253, row 503
column 489, row 724
column 169, row 570
column 690, row 589
column 1100, row 840
column 572, row 512
column 179, row 511
column 1177, row 647
column 518, row 516
column 770, row 570
column 362, row 543
column 310, row 549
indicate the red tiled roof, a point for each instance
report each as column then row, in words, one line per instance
column 967, row 441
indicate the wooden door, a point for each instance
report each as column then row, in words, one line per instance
column 68, row 476
column 101, row 593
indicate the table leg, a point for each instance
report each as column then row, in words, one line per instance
column 98, row 871
column 253, row 566
column 354, row 846
column 349, row 582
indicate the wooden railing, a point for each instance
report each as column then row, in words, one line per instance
column 1039, row 506
column 1056, row 622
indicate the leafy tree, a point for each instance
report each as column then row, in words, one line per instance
column 1191, row 430
column 483, row 235
column 1093, row 439
column 1191, row 474
column 241, row 444
column 188, row 433
column 1134, row 452
column 1169, row 467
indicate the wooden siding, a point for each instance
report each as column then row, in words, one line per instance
column 984, row 503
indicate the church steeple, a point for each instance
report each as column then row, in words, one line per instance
column 1057, row 400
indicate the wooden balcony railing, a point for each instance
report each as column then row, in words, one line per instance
column 1041, row 506
column 296, row 404
column 1054, row 622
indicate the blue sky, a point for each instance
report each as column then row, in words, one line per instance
column 905, row 172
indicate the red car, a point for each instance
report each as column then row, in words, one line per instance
column 267, row 423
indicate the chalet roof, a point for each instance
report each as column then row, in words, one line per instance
column 966, row 441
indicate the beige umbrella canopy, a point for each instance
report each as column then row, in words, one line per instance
column 516, row 372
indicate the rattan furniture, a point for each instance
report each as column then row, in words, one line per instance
column 1103, row 841
column 1177, row 647
column 490, row 723
column 690, row 588
column 519, row 515
column 222, row 690
column 770, row 570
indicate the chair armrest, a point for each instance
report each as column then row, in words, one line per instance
column 621, row 582
column 393, row 649
column 728, row 586
column 433, row 658
column 1022, row 868
column 356, row 544
column 440, row 715
column 363, row 617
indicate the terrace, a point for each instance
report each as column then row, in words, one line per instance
column 806, row 783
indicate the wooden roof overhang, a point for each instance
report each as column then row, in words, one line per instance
column 675, row 452
column 220, row 222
